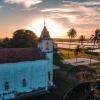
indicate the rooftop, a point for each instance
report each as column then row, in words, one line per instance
column 45, row 34
column 11, row 55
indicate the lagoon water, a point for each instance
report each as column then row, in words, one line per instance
column 74, row 44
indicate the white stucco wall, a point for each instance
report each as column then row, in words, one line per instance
column 38, row 74
column 42, row 46
column 35, row 73
column 49, row 56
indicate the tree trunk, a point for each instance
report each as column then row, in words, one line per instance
column 92, row 52
column 82, row 43
column 76, row 59
column 69, row 47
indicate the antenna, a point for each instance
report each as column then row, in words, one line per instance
column 44, row 20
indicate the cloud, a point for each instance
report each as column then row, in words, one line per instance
column 72, row 9
column 1, row 6
column 25, row 3
column 85, row 2
column 57, row 10
column 29, row 9
column 91, row 3
column 76, row 14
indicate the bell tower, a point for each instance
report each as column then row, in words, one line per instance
column 46, row 46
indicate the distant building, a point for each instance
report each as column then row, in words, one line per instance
column 24, row 70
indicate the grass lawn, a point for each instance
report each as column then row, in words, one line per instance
column 96, row 67
column 64, row 54
column 60, row 76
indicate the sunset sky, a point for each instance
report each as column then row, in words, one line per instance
column 60, row 16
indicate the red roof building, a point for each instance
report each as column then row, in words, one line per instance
column 11, row 55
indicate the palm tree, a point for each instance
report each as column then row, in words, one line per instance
column 71, row 34
column 95, row 38
column 81, row 39
column 76, row 52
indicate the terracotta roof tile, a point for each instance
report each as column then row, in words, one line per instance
column 20, row 54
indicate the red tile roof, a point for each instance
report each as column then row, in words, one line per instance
column 11, row 55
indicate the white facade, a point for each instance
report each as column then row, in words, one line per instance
column 27, row 76
column 49, row 56
column 34, row 74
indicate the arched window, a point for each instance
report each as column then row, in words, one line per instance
column 6, row 85
column 46, row 46
column 24, row 82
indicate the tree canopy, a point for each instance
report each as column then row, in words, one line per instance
column 81, row 39
column 5, row 43
column 72, row 33
column 24, row 38
column 21, row 39
column 95, row 38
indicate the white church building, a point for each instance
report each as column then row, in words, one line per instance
column 25, row 70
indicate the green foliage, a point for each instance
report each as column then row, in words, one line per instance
column 5, row 43
column 72, row 33
column 61, row 80
column 21, row 39
column 77, row 50
column 63, row 84
column 63, row 54
column 96, row 67
column 81, row 39
column 57, row 60
column 60, row 75
column 95, row 38
column 24, row 38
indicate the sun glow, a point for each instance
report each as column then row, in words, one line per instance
column 54, row 28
